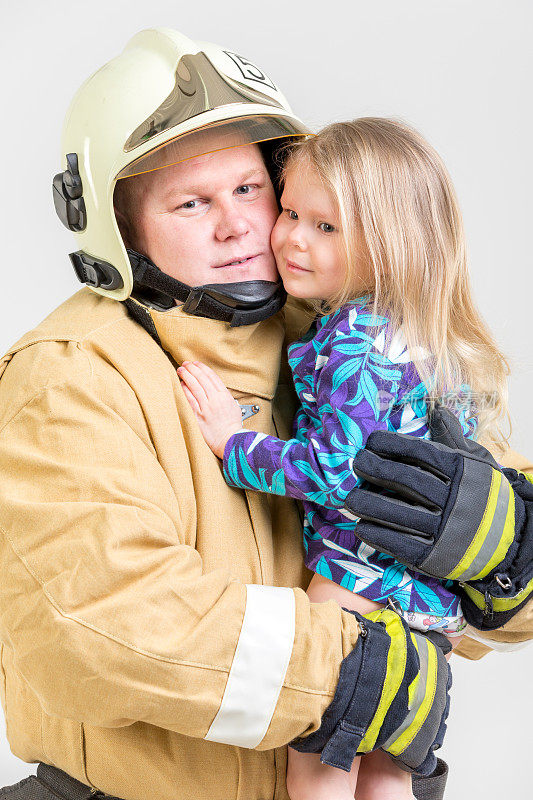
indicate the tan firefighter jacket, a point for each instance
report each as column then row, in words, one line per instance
column 155, row 636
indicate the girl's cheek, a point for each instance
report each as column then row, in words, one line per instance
column 277, row 237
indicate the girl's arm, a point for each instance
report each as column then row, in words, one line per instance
column 356, row 389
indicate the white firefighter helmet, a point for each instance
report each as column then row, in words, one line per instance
column 163, row 100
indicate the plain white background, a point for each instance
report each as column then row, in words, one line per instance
column 459, row 70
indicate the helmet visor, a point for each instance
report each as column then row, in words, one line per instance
column 219, row 136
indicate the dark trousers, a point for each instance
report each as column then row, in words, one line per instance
column 53, row 784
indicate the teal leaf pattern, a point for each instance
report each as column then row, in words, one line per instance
column 349, row 383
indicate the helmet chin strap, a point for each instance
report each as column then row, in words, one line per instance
column 237, row 303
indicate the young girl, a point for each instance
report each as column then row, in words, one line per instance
column 371, row 234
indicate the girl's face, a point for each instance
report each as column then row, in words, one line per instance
column 306, row 239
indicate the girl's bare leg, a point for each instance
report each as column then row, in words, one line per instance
column 377, row 777
column 381, row 779
column 307, row 777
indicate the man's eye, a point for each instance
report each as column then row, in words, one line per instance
column 245, row 188
column 189, row 204
column 326, row 227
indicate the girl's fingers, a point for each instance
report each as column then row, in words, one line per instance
column 207, row 376
column 192, row 400
column 193, row 384
column 216, row 380
column 214, row 402
column 203, row 377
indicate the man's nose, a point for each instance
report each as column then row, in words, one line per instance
column 232, row 222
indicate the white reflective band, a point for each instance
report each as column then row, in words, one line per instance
column 500, row 647
column 259, row 666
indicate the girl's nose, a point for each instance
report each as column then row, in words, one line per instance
column 296, row 237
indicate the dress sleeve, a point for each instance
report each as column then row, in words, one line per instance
column 356, row 387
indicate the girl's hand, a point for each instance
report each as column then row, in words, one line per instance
column 218, row 413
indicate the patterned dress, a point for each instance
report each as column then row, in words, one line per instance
column 351, row 379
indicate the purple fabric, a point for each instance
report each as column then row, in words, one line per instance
column 352, row 377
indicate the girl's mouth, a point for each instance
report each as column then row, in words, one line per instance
column 292, row 267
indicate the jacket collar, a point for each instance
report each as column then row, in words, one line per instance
column 246, row 358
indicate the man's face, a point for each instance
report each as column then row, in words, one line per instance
column 209, row 219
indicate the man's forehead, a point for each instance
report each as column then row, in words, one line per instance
column 219, row 153
column 233, row 164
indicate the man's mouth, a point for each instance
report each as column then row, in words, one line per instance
column 238, row 262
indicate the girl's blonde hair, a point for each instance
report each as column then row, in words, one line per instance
column 399, row 214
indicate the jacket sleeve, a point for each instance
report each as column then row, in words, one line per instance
column 357, row 387
column 109, row 612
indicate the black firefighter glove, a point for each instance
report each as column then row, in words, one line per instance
column 392, row 695
column 448, row 510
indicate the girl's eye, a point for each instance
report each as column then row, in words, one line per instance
column 290, row 213
column 326, row 227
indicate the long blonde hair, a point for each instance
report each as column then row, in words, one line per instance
column 398, row 210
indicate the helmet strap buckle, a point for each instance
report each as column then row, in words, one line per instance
column 193, row 300
column 95, row 272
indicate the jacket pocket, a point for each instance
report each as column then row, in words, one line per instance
column 64, row 745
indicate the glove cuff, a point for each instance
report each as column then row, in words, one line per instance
column 392, row 694
column 488, row 605
column 492, row 601
column 348, row 717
